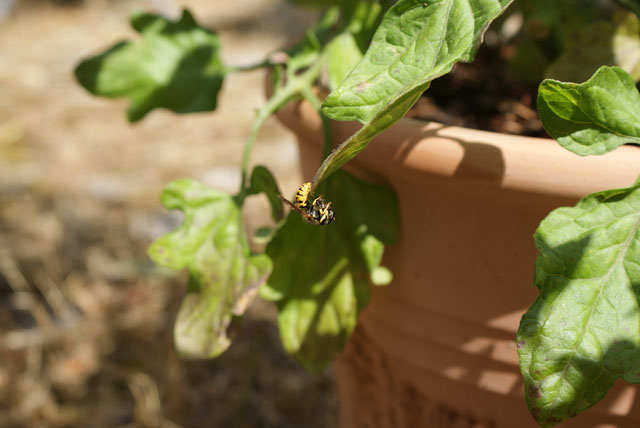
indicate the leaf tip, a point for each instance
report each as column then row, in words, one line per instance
column 381, row 276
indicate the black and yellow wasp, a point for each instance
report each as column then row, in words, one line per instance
column 317, row 212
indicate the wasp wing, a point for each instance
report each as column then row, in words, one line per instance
column 303, row 213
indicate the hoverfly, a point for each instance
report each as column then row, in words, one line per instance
column 317, row 212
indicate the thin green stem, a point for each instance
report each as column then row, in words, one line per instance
column 327, row 135
column 261, row 116
column 295, row 87
column 250, row 67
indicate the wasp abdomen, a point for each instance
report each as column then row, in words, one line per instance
column 302, row 196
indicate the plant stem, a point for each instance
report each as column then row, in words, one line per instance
column 250, row 67
column 261, row 116
column 327, row 139
column 295, row 87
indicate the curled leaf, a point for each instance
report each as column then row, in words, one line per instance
column 224, row 277
column 593, row 117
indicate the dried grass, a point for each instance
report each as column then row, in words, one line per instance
column 85, row 318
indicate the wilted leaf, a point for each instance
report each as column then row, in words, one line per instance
column 321, row 274
column 175, row 65
column 416, row 42
column 583, row 331
column 594, row 117
column 223, row 275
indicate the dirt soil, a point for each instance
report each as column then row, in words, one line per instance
column 85, row 317
column 483, row 95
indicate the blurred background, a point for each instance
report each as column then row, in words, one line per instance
column 86, row 318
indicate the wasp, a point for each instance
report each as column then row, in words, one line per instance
column 315, row 212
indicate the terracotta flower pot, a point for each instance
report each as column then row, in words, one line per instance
column 436, row 348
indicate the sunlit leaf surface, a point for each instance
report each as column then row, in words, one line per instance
column 321, row 274
column 594, row 117
column 583, row 331
column 416, row 42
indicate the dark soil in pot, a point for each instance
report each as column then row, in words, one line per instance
column 483, row 95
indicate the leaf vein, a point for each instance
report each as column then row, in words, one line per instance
column 619, row 260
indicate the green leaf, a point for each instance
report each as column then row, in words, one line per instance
column 175, row 65
column 345, row 50
column 594, row 117
column 343, row 54
column 321, row 274
column 223, row 276
column 381, row 276
column 262, row 181
column 263, row 235
column 416, row 42
column 609, row 43
column 583, row 331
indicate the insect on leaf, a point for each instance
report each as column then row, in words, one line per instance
column 224, row 277
column 416, row 42
column 321, row 275
column 174, row 65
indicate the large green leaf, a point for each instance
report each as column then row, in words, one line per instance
column 416, row 42
column 615, row 42
column 321, row 274
column 175, row 65
column 223, row 276
column 583, row 331
column 594, row 117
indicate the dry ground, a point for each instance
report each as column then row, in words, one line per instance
column 85, row 317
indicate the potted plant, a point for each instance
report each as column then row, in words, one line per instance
column 455, row 208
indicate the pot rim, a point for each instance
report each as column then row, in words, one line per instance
column 417, row 150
